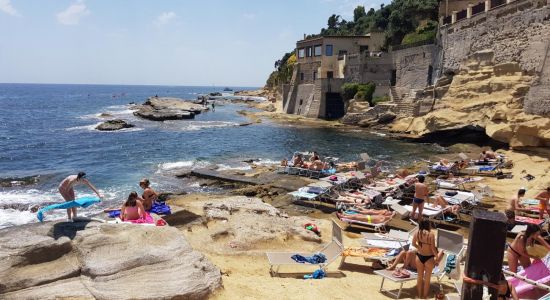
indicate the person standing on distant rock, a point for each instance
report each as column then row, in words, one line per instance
column 213, row 106
column 66, row 189
column 420, row 196
column 149, row 195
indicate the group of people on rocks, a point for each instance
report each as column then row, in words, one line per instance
column 133, row 208
column 314, row 162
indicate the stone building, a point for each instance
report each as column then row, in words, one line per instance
column 320, row 71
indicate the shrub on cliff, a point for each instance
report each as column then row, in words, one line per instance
column 423, row 33
column 358, row 91
column 283, row 73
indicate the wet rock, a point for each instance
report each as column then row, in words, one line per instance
column 386, row 118
column 19, row 181
column 113, row 125
column 102, row 261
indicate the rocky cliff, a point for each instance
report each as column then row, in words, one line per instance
column 485, row 96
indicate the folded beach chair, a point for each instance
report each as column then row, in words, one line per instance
column 331, row 251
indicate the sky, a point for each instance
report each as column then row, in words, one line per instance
column 156, row 42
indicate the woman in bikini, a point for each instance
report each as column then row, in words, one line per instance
column 517, row 250
column 66, row 189
column 132, row 209
column 426, row 252
column 149, row 195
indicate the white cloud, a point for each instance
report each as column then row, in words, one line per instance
column 249, row 16
column 165, row 18
column 73, row 13
column 5, row 6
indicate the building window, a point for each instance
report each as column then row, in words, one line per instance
column 330, row 75
column 301, row 76
column 363, row 48
column 301, row 101
column 318, row 50
column 328, row 50
column 314, row 75
column 301, row 53
column 308, row 52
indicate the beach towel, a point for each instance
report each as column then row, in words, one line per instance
column 318, row 258
column 147, row 220
column 80, row 202
column 319, row 274
column 159, row 208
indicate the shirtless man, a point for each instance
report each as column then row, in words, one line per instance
column 543, row 197
column 66, row 189
column 515, row 203
column 149, row 195
column 420, row 195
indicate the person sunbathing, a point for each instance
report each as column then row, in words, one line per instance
column 372, row 212
column 314, row 157
column 402, row 173
column 544, row 198
column 407, row 257
column 517, row 251
column 132, row 209
column 370, row 219
column 515, row 203
column 297, row 161
column 348, row 197
column 438, row 200
column 149, row 195
column 317, row 165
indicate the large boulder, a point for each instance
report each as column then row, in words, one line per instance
column 113, row 125
column 102, row 261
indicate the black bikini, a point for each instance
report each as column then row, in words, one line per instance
column 423, row 258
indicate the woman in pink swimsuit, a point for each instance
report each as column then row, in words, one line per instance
column 66, row 189
column 132, row 209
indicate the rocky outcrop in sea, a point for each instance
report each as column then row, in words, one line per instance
column 163, row 108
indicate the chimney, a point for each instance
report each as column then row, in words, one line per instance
column 304, row 36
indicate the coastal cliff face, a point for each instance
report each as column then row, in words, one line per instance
column 487, row 97
column 102, row 261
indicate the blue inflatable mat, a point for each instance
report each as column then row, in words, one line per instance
column 159, row 208
column 80, row 202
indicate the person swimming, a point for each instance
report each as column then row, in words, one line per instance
column 132, row 209
column 149, row 195
column 66, row 189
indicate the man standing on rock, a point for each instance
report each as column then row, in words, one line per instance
column 66, row 189
column 420, row 196
column 543, row 198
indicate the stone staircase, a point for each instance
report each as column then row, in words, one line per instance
column 403, row 105
column 314, row 103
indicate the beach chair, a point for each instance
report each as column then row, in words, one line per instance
column 392, row 240
column 332, row 251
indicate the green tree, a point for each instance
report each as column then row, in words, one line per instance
column 358, row 13
column 333, row 21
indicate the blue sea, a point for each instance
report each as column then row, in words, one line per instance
column 48, row 130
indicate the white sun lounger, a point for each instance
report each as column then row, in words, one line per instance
column 332, row 251
column 451, row 243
